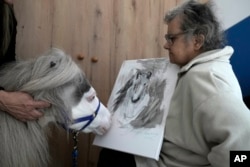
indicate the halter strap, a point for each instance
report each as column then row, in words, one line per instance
column 88, row 118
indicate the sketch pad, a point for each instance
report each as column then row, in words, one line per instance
column 139, row 102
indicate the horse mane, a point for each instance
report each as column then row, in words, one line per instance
column 45, row 78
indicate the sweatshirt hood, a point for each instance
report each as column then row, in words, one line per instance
column 223, row 54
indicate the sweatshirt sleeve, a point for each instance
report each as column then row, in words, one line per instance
column 225, row 123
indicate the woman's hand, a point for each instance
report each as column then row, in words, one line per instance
column 21, row 105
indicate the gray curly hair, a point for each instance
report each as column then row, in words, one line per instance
column 199, row 19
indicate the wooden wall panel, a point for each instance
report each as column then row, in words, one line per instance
column 139, row 31
column 34, row 27
column 109, row 31
column 85, row 28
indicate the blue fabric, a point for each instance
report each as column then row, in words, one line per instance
column 238, row 37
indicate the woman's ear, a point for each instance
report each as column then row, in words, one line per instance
column 199, row 41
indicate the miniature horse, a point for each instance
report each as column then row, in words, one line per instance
column 52, row 77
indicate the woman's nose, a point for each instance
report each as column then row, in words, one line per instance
column 166, row 46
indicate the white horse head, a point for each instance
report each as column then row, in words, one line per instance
column 90, row 115
column 55, row 74
column 53, row 77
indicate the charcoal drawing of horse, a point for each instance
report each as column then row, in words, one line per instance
column 56, row 78
column 139, row 99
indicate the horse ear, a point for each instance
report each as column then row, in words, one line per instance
column 52, row 64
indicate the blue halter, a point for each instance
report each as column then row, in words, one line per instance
column 88, row 118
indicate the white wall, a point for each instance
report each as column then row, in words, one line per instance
column 230, row 12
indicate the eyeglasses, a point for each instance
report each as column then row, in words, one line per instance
column 170, row 38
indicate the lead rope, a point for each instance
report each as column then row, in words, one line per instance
column 75, row 148
column 89, row 118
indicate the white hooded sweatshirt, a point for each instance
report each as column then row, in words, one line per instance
column 207, row 116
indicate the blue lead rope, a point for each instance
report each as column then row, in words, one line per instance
column 75, row 148
column 89, row 118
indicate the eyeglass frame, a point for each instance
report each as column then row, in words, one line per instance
column 171, row 37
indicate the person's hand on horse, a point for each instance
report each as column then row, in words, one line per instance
column 21, row 105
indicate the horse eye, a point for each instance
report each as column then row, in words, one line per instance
column 91, row 98
column 52, row 64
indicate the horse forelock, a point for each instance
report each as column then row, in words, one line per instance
column 45, row 78
column 52, row 70
column 52, row 74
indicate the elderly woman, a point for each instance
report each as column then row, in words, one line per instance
column 207, row 116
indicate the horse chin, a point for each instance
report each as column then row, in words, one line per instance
column 100, row 130
column 101, row 124
column 97, row 131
